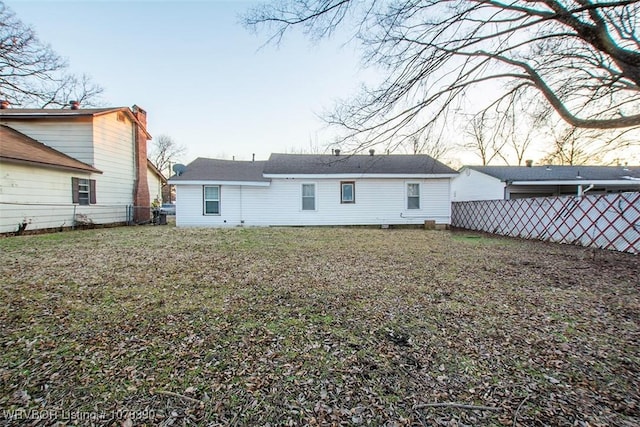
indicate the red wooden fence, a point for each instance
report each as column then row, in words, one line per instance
column 609, row 221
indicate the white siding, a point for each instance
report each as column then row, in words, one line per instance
column 155, row 185
column 22, row 187
column 71, row 137
column 114, row 155
column 378, row 201
column 472, row 185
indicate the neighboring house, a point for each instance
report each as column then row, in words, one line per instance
column 155, row 180
column 290, row 189
column 515, row 182
column 60, row 167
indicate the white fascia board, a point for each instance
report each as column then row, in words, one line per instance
column 204, row 182
column 360, row 175
column 578, row 182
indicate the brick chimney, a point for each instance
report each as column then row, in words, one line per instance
column 141, row 198
column 75, row 105
column 4, row 104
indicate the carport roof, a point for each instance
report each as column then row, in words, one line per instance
column 559, row 173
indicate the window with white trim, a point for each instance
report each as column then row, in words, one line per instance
column 413, row 196
column 308, row 197
column 211, row 199
column 347, row 192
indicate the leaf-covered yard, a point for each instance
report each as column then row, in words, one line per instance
column 315, row 326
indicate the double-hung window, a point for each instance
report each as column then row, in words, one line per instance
column 347, row 192
column 83, row 191
column 413, row 196
column 308, row 197
column 211, row 199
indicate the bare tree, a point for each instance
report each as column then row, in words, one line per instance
column 482, row 139
column 32, row 74
column 441, row 56
column 164, row 152
column 576, row 146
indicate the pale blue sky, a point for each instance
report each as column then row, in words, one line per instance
column 203, row 78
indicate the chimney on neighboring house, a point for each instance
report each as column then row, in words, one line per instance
column 75, row 105
column 372, row 151
column 529, row 163
column 141, row 198
column 336, row 152
column 4, row 104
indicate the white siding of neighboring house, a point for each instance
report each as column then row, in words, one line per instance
column 472, row 185
column 71, row 137
column 40, row 196
column 155, row 185
column 378, row 201
column 114, row 149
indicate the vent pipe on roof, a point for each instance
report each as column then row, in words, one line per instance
column 529, row 163
column 372, row 152
column 253, row 157
column 337, row 151
column 4, row 104
column 75, row 105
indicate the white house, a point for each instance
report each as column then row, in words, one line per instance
column 296, row 190
column 514, row 182
column 69, row 166
column 155, row 181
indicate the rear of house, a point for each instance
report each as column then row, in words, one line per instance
column 306, row 190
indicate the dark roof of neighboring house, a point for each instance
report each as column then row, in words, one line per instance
column 559, row 173
column 294, row 164
column 17, row 147
column 203, row 169
column 59, row 113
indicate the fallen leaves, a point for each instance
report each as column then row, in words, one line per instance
column 318, row 327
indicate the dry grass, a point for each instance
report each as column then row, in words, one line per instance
column 329, row 326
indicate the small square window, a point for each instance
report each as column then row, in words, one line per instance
column 347, row 192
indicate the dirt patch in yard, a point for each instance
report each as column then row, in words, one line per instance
column 304, row 326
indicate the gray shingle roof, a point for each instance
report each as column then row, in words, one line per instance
column 203, row 169
column 294, row 164
column 559, row 173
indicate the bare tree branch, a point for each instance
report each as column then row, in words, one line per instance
column 32, row 74
column 441, row 58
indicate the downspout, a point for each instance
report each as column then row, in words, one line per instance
column 581, row 191
column 241, row 216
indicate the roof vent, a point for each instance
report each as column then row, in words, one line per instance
column 4, row 104
column 578, row 175
column 75, row 105
column 372, row 152
column 337, row 151
column 529, row 163
column 548, row 167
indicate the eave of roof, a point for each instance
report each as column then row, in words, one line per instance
column 362, row 175
column 173, row 181
column 156, row 171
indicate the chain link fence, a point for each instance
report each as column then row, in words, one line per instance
column 609, row 221
column 25, row 217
